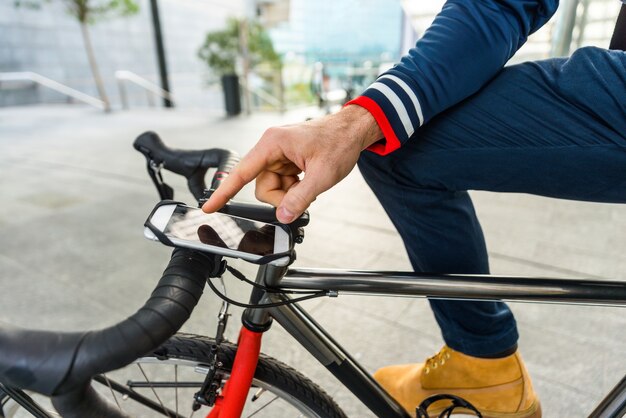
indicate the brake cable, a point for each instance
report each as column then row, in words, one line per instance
column 236, row 273
column 239, row 275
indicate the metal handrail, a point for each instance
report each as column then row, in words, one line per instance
column 124, row 75
column 264, row 96
column 53, row 85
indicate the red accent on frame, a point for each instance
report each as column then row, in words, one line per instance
column 391, row 142
column 233, row 399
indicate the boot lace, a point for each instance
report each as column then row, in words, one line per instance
column 437, row 360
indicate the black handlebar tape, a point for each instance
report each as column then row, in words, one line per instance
column 36, row 360
column 57, row 364
column 182, row 162
column 168, row 308
column 191, row 164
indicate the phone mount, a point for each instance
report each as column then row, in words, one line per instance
column 262, row 213
column 290, row 254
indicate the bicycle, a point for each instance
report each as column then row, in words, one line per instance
column 230, row 378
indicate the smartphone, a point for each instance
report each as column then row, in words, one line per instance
column 219, row 233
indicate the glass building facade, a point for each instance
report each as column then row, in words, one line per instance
column 346, row 31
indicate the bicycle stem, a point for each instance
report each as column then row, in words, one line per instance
column 259, row 319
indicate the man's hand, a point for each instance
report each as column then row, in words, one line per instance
column 325, row 150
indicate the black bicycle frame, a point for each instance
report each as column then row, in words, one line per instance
column 312, row 336
column 25, row 401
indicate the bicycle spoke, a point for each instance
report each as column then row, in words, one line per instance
column 176, row 389
column 106, row 379
column 153, row 390
column 129, row 393
column 264, row 406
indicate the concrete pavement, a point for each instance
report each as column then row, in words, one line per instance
column 72, row 256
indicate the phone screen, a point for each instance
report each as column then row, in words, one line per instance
column 220, row 230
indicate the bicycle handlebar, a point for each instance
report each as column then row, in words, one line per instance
column 193, row 165
column 61, row 365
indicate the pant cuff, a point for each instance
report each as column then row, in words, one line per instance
column 484, row 347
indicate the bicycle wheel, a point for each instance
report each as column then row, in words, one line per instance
column 164, row 383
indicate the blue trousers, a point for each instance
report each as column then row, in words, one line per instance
column 555, row 128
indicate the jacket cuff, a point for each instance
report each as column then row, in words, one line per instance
column 390, row 142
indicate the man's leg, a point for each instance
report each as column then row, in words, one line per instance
column 555, row 128
column 442, row 235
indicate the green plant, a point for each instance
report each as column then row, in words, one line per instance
column 88, row 11
column 221, row 48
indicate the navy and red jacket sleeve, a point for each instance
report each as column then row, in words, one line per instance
column 467, row 44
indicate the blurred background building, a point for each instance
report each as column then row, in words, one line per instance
column 577, row 23
column 350, row 38
column 346, row 32
column 340, row 45
column 42, row 37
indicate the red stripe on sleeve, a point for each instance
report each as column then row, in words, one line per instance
column 390, row 142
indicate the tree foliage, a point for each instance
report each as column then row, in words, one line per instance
column 89, row 11
column 221, row 48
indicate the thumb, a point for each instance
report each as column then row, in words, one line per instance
column 297, row 200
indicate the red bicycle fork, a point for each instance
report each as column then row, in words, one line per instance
column 233, row 398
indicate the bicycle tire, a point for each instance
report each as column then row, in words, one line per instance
column 281, row 380
column 269, row 370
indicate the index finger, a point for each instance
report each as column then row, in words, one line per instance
column 247, row 170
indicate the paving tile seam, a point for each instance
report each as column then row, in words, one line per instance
column 67, row 167
column 530, row 327
column 359, row 225
column 501, row 256
column 591, row 396
column 389, row 321
column 538, row 264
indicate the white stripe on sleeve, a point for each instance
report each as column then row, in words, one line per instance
column 397, row 105
column 409, row 92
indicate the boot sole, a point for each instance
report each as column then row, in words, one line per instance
column 533, row 412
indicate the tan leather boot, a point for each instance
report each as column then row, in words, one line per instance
column 498, row 388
